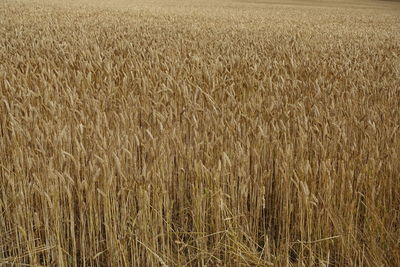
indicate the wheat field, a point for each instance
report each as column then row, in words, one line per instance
column 199, row 133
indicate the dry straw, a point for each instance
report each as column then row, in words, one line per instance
column 240, row 135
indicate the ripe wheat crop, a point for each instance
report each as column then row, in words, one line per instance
column 231, row 133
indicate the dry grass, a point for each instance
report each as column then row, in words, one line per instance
column 199, row 134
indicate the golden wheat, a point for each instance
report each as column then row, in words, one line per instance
column 199, row 134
